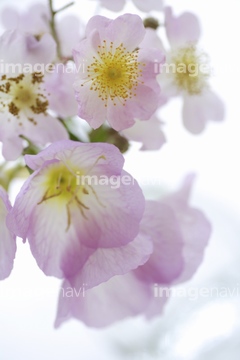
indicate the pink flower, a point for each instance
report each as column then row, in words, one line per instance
column 179, row 234
column 23, row 98
column 143, row 5
column 189, row 73
column 149, row 133
column 115, row 81
column 77, row 208
column 36, row 21
column 7, row 239
column 59, row 86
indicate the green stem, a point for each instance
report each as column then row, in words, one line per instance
column 64, row 7
column 8, row 174
column 53, row 29
column 53, row 25
column 31, row 149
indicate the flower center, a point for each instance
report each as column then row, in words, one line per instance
column 191, row 70
column 115, row 73
column 62, row 181
column 23, row 93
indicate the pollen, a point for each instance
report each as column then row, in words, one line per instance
column 191, row 71
column 23, row 94
column 115, row 73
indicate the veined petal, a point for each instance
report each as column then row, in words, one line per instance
column 105, row 263
column 166, row 262
column 7, row 238
column 65, row 216
column 195, row 228
column 118, row 298
column 84, row 154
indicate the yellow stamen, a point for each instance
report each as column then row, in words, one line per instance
column 23, row 93
column 115, row 73
column 190, row 72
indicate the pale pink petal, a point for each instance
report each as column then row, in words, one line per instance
column 90, row 106
column 152, row 60
column 62, row 237
column 102, row 227
column 47, row 130
column 44, row 225
column 142, row 107
column 152, row 40
column 148, row 133
column 7, row 239
column 35, row 20
column 182, row 29
column 166, row 262
column 68, row 29
column 84, row 54
column 148, row 5
column 83, row 156
column 17, row 48
column 59, row 86
column 10, row 18
column 20, row 217
column 105, row 263
column 195, row 229
column 41, row 51
column 109, row 30
column 157, row 302
column 199, row 109
column 12, row 148
column 120, row 297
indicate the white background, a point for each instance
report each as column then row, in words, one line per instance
column 207, row 328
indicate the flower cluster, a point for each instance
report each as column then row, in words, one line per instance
column 70, row 106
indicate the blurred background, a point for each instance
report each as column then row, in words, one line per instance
column 192, row 327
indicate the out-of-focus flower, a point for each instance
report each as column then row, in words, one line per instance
column 149, row 133
column 187, row 72
column 143, row 5
column 116, row 81
column 7, row 239
column 59, row 86
column 36, row 21
column 179, row 234
column 78, row 210
column 23, row 98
